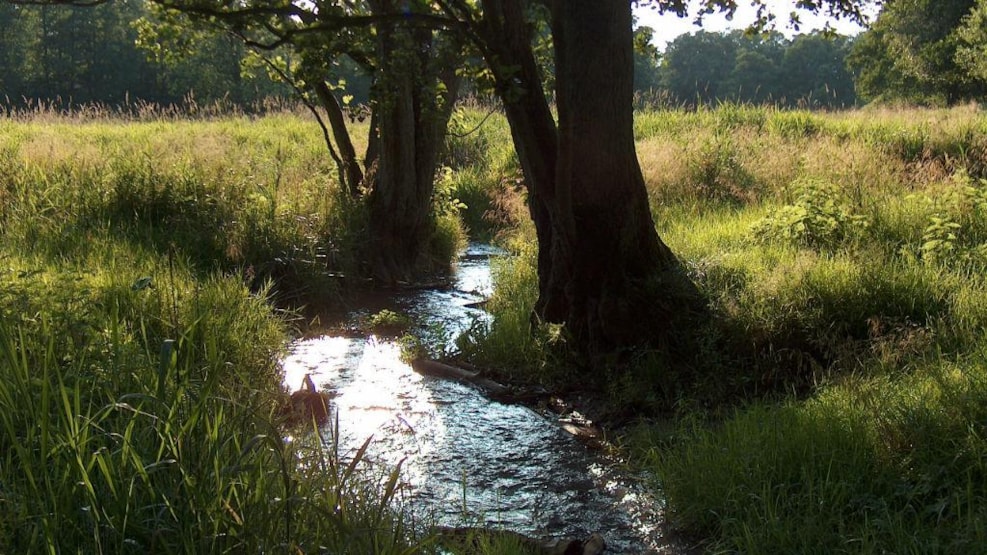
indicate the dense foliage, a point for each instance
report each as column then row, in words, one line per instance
column 807, row 70
column 70, row 55
column 923, row 51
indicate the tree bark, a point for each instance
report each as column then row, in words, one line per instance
column 603, row 270
column 610, row 266
column 507, row 38
column 411, row 119
column 351, row 171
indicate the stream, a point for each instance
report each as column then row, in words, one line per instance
column 469, row 460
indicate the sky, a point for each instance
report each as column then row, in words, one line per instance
column 667, row 27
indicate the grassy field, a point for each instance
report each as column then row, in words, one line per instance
column 151, row 273
column 835, row 401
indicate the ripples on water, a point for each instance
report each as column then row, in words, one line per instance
column 466, row 457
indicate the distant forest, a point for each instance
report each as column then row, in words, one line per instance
column 70, row 56
column 79, row 55
column 808, row 70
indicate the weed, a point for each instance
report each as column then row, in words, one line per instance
column 388, row 322
column 818, row 218
column 716, row 170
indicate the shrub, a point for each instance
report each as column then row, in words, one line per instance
column 717, row 171
column 818, row 218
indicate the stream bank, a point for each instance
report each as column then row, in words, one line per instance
column 468, row 460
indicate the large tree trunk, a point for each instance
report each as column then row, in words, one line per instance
column 507, row 39
column 603, row 271
column 411, row 118
column 610, row 264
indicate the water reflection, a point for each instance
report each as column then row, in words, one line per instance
column 465, row 456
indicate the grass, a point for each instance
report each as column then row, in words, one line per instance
column 255, row 196
column 150, row 273
column 225, row 196
column 138, row 408
column 835, row 400
column 882, row 464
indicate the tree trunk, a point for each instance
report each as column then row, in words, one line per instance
column 351, row 173
column 610, row 263
column 507, row 38
column 411, row 119
column 606, row 274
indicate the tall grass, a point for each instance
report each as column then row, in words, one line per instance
column 835, row 400
column 139, row 412
column 144, row 270
column 255, row 196
column 890, row 464
column 484, row 172
column 225, row 195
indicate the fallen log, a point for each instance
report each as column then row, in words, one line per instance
column 442, row 370
column 570, row 421
column 469, row 537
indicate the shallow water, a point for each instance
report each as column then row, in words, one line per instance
column 469, row 460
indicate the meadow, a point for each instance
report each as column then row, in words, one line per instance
column 835, row 399
column 151, row 273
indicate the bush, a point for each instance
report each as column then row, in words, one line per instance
column 818, row 218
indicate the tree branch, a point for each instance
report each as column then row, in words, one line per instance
column 325, row 22
column 80, row 3
column 340, row 167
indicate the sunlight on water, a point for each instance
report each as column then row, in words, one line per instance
column 320, row 358
column 466, row 459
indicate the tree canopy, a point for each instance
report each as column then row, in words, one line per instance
column 923, row 51
column 971, row 48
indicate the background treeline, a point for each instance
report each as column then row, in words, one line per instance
column 926, row 52
column 929, row 52
column 919, row 52
column 78, row 55
column 706, row 67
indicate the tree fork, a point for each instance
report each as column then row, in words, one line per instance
column 337, row 123
column 602, row 269
column 409, row 123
